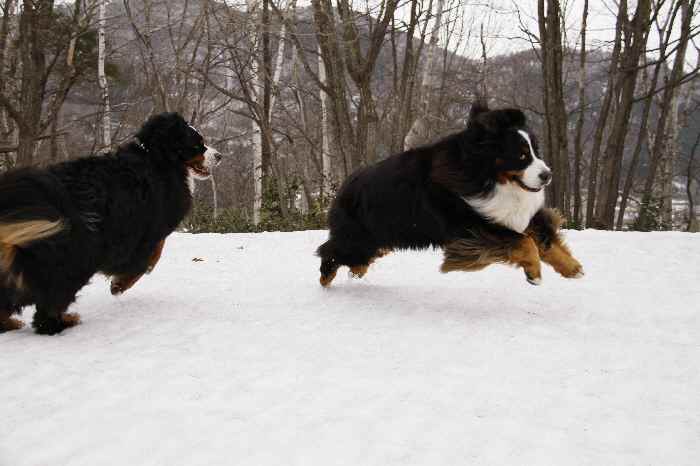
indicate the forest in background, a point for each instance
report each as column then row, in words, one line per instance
column 299, row 96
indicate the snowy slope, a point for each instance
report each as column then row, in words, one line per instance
column 242, row 359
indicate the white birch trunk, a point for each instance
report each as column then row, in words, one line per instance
column 671, row 156
column 279, row 60
column 102, row 78
column 325, row 131
column 256, row 132
column 419, row 130
column 215, row 198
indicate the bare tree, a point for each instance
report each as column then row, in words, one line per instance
column 419, row 130
column 102, row 77
column 556, row 115
column 646, row 218
column 46, row 73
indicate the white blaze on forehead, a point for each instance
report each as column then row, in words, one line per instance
column 528, row 140
column 194, row 129
column 531, row 175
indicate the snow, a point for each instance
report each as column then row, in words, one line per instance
column 242, row 358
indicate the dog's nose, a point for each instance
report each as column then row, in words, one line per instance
column 546, row 176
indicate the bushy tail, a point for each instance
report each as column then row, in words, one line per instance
column 21, row 233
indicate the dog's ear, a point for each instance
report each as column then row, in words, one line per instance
column 164, row 134
column 495, row 121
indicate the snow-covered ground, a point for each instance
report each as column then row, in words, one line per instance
column 243, row 359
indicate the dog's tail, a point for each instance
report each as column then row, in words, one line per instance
column 33, row 208
column 19, row 233
column 23, row 232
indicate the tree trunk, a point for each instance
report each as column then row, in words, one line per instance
column 693, row 225
column 556, row 116
column 402, row 116
column 256, row 142
column 326, row 168
column 102, row 79
column 634, row 46
column 344, row 136
column 646, row 220
column 603, row 116
column 5, row 27
column 420, row 130
column 669, row 162
column 577, row 219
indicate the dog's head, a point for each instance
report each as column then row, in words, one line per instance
column 508, row 148
column 169, row 137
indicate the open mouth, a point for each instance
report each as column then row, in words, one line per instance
column 200, row 170
column 526, row 187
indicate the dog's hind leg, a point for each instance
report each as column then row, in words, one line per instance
column 51, row 317
column 7, row 323
column 8, row 306
column 52, row 302
column 479, row 251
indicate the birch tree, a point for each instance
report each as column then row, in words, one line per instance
column 578, row 146
column 326, row 169
column 419, row 130
column 256, row 142
column 102, row 77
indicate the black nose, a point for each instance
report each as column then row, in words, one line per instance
column 546, row 176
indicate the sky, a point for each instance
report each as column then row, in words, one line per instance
column 504, row 20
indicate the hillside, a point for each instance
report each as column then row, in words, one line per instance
column 241, row 358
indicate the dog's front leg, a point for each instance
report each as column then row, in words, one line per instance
column 155, row 256
column 525, row 254
column 121, row 283
column 544, row 230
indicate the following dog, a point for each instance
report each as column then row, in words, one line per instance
column 110, row 213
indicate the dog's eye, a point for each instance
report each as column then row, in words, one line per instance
column 523, row 156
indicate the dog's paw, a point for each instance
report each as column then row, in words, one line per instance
column 10, row 324
column 116, row 288
column 573, row 269
column 534, row 281
column 70, row 319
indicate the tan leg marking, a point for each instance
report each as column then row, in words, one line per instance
column 326, row 280
column 70, row 319
column 526, row 255
column 560, row 258
column 359, row 271
column 122, row 283
column 8, row 324
column 383, row 252
column 155, row 256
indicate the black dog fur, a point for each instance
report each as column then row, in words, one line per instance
column 108, row 213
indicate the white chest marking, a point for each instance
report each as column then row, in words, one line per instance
column 508, row 205
column 190, row 181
